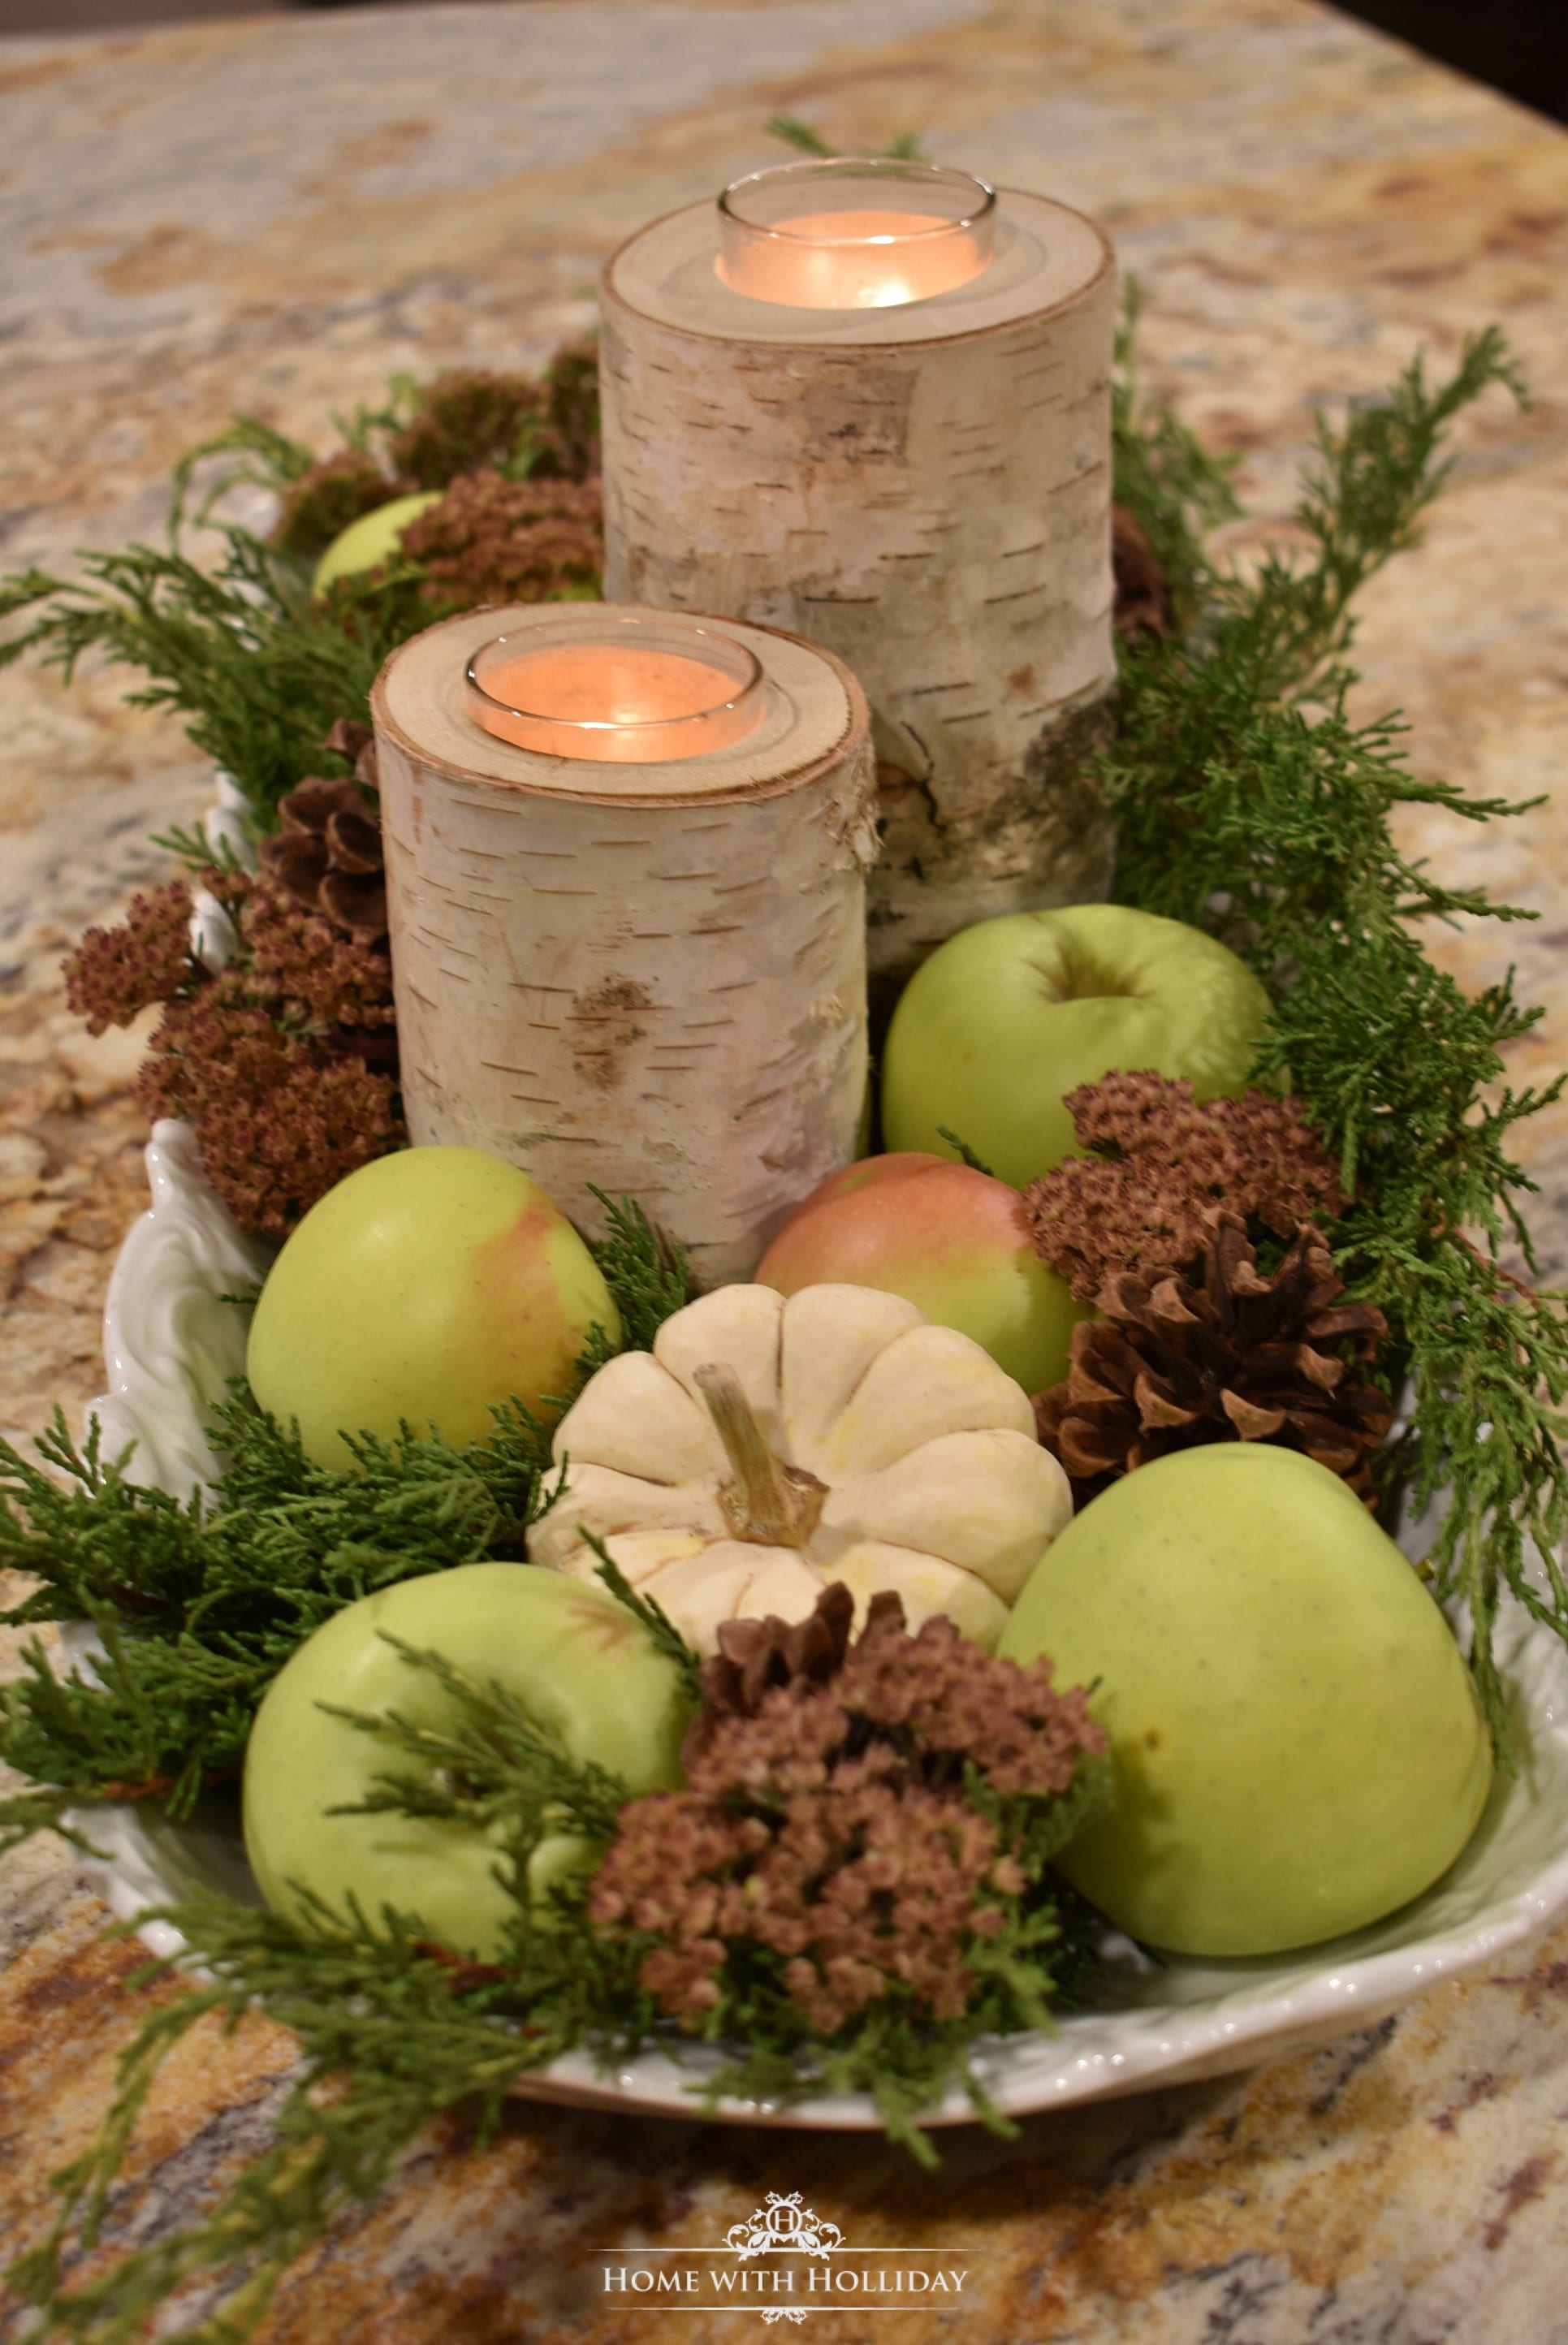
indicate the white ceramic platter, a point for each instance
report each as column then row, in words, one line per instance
column 170, row 1342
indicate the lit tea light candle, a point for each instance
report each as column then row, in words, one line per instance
column 616, row 690
column 844, row 234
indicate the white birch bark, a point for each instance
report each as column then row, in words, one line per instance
column 647, row 979
column 924, row 491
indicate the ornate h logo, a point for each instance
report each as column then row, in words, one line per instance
column 783, row 2223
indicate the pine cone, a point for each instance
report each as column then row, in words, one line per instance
column 755, row 1656
column 327, row 854
column 1242, row 1358
column 1142, row 604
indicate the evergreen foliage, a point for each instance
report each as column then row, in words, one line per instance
column 905, row 149
column 644, row 1270
column 259, row 670
column 1165, row 477
column 198, row 1602
column 394, row 2031
column 1249, row 801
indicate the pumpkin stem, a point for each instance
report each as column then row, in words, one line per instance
column 769, row 1503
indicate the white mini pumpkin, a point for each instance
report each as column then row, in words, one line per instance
column 765, row 1447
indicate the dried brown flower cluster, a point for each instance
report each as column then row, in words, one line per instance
column 1242, row 1357
column 825, row 1819
column 326, row 852
column 467, row 421
column 465, row 418
column 1159, row 1164
column 328, row 496
column 491, row 540
column 569, row 444
column 463, row 423
column 270, row 1059
column 278, row 1123
column 303, row 970
column 117, row 973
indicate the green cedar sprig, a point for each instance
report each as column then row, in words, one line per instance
column 646, row 1271
column 663, row 1634
column 963, row 1151
column 1165, row 477
column 905, row 149
column 198, row 1603
column 260, row 666
column 1250, row 802
column 387, row 2041
column 251, row 453
column 266, row 459
column 492, row 1765
column 394, row 2031
column 259, row 670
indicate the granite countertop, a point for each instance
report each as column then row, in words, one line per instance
column 274, row 215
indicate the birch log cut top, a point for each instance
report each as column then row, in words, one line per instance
column 646, row 980
column 925, row 489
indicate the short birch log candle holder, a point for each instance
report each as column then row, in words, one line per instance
column 638, row 966
column 920, row 480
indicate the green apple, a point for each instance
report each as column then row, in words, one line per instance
column 569, row 1653
column 952, row 1241
column 372, row 539
column 1006, row 1017
column 1296, row 1744
column 424, row 1289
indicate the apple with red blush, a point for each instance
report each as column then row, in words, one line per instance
column 954, row 1242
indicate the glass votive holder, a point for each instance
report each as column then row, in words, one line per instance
column 615, row 689
column 846, row 234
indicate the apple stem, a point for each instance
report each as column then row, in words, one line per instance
column 768, row 1503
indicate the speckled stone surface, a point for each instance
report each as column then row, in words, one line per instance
column 274, row 215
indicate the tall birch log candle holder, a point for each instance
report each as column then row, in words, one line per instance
column 915, row 474
column 623, row 960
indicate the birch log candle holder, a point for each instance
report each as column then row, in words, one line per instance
column 918, row 479
column 638, row 966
